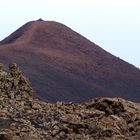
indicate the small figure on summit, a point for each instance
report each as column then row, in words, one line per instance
column 40, row 19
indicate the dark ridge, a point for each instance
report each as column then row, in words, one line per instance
column 16, row 35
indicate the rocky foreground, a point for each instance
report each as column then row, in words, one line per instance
column 24, row 118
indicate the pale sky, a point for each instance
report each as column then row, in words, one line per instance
column 112, row 24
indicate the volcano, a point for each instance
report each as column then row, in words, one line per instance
column 62, row 65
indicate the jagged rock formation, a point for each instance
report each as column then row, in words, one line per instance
column 24, row 118
column 64, row 66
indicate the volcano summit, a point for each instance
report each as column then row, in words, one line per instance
column 62, row 65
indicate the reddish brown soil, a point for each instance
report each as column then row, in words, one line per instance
column 63, row 65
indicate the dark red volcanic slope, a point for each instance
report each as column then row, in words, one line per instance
column 63, row 65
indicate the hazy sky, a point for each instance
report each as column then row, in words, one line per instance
column 112, row 24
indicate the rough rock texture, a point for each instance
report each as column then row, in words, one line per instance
column 24, row 118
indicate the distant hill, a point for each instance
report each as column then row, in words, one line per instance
column 62, row 65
